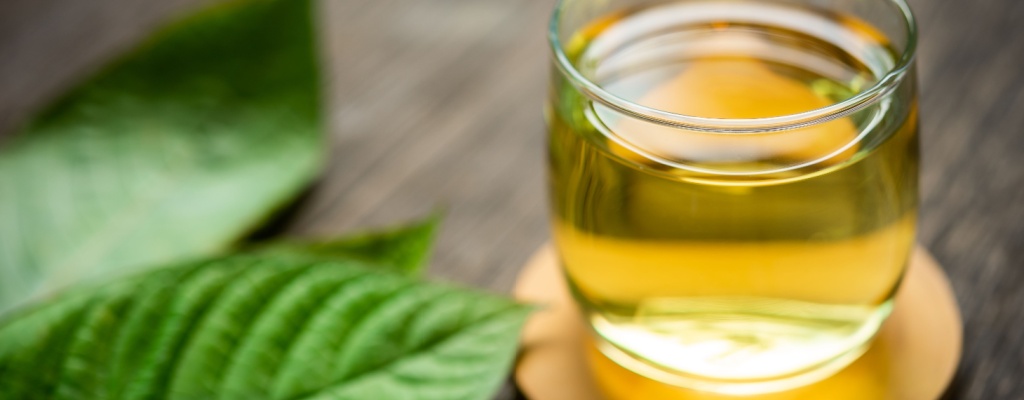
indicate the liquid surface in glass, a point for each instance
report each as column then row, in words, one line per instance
column 732, row 262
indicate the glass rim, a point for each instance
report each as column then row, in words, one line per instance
column 863, row 99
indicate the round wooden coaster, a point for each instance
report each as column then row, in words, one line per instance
column 913, row 358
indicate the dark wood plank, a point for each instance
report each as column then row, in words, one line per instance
column 438, row 104
column 973, row 180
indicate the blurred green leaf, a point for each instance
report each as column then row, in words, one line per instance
column 404, row 248
column 174, row 151
column 262, row 326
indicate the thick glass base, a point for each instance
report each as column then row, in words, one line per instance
column 724, row 350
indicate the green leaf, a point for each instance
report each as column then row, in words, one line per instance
column 172, row 152
column 404, row 248
column 261, row 326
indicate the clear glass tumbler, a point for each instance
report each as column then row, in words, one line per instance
column 733, row 183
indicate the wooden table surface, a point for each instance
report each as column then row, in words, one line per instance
column 438, row 103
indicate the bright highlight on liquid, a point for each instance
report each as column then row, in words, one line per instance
column 732, row 263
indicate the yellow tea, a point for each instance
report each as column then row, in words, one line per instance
column 732, row 261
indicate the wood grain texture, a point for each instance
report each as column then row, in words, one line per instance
column 438, row 103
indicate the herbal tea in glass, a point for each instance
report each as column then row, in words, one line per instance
column 733, row 182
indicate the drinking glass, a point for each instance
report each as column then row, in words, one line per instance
column 733, row 183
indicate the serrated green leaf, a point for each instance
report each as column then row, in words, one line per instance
column 262, row 326
column 172, row 152
column 403, row 248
